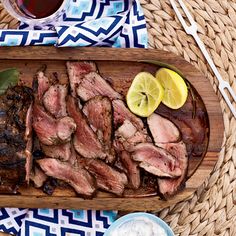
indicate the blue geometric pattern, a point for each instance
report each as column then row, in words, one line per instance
column 109, row 23
column 49, row 222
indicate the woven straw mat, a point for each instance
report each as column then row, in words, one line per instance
column 211, row 210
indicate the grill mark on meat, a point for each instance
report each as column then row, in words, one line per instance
column 156, row 160
column 49, row 130
column 92, row 84
column 62, row 152
column 85, row 140
column 168, row 187
column 54, row 100
column 133, row 171
column 162, row 129
column 107, row 178
column 76, row 72
column 98, row 111
column 78, row 178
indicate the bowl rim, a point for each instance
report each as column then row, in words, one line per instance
column 131, row 216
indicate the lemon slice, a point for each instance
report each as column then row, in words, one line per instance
column 144, row 95
column 175, row 89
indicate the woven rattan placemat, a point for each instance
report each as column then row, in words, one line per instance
column 212, row 209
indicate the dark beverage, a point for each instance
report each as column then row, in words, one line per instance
column 39, row 8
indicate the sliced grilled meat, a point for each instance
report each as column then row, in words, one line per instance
column 122, row 113
column 85, row 140
column 15, row 138
column 128, row 136
column 62, row 151
column 133, row 171
column 54, row 100
column 78, row 178
column 38, row 177
column 98, row 111
column 156, row 160
column 42, row 84
column 76, row 72
column 162, row 129
column 107, row 178
column 168, row 187
column 92, row 84
column 49, row 130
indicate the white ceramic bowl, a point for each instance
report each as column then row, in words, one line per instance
column 133, row 216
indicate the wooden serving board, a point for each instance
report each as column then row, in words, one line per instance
column 119, row 66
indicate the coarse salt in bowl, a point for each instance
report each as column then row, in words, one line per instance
column 136, row 224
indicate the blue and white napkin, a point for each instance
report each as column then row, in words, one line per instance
column 110, row 23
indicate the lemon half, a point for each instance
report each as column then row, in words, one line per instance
column 175, row 89
column 144, row 95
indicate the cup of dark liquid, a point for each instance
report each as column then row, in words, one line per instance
column 35, row 12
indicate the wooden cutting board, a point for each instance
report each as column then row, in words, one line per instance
column 119, row 66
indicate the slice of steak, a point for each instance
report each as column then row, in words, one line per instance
column 38, row 177
column 41, row 85
column 85, row 141
column 76, row 72
column 98, row 111
column 49, row 130
column 92, row 84
column 132, row 167
column 162, row 129
column 15, row 135
column 54, row 100
column 122, row 113
column 156, row 161
column 168, row 187
column 78, row 178
column 62, row 151
column 107, row 178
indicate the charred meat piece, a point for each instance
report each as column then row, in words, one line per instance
column 50, row 185
column 156, row 161
column 76, row 72
column 107, row 178
column 78, row 178
column 168, row 187
column 49, row 130
column 133, row 171
column 98, row 111
column 93, row 84
column 162, row 129
column 62, row 151
column 54, row 100
column 122, row 113
column 38, row 177
column 85, row 141
column 15, row 135
column 42, row 84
